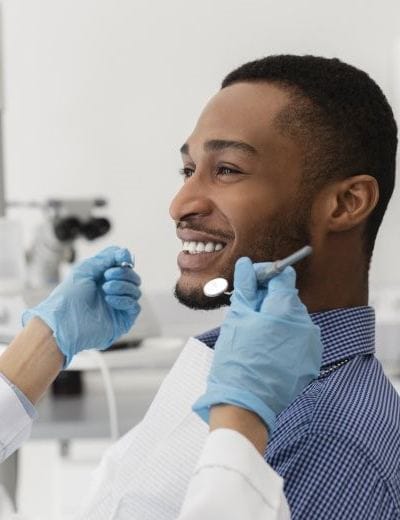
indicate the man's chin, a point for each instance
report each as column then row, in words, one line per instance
column 194, row 298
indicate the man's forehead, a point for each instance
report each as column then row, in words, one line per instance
column 240, row 113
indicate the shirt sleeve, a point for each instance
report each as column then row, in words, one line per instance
column 233, row 481
column 328, row 477
column 29, row 408
column 15, row 421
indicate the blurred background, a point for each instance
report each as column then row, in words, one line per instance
column 98, row 96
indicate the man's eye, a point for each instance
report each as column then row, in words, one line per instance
column 186, row 172
column 225, row 170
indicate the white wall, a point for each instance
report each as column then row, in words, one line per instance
column 100, row 94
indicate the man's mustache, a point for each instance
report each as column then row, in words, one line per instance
column 195, row 226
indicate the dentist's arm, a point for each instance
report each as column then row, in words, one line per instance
column 243, row 421
column 91, row 308
column 32, row 360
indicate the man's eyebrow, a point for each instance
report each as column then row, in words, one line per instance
column 215, row 145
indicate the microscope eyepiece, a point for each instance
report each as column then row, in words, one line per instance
column 95, row 228
column 67, row 229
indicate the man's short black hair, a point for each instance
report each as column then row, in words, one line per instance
column 343, row 118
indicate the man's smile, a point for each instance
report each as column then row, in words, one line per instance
column 198, row 261
column 199, row 249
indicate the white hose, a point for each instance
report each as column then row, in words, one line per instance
column 110, row 394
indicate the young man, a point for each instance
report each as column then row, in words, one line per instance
column 294, row 151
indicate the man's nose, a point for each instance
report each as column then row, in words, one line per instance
column 191, row 200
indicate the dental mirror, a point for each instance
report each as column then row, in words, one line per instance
column 215, row 287
column 218, row 286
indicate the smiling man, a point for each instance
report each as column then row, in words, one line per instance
column 290, row 151
column 293, row 150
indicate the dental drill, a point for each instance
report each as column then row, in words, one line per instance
column 219, row 286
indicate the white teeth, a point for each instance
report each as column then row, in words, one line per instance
column 200, row 247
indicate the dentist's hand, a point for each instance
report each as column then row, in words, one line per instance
column 268, row 349
column 94, row 305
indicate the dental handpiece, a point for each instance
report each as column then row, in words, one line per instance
column 219, row 286
column 280, row 265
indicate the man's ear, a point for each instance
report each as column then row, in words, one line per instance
column 350, row 201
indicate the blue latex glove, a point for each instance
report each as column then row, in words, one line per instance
column 268, row 349
column 94, row 305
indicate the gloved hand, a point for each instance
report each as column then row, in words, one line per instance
column 268, row 349
column 94, row 305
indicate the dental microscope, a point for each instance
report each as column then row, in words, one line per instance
column 66, row 220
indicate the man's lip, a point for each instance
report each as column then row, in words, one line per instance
column 197, row 262
column 188, row 235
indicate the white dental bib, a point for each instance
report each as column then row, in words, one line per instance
column 144, row 476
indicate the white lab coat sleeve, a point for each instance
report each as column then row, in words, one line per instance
column 15, row 421
column 232, row 480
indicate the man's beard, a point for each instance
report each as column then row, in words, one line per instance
column 282, row 236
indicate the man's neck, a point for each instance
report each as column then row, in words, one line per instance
column 326, row 293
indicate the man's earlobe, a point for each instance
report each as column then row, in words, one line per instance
column 351, row 202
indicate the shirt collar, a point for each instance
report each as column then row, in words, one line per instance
column 345, row 333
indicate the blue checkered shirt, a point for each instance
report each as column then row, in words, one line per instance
column 337, row 446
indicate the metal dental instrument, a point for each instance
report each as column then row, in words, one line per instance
column 219, row 286
column 126, row 264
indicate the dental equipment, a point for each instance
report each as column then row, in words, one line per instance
column 126, row 264
column 219, row 286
